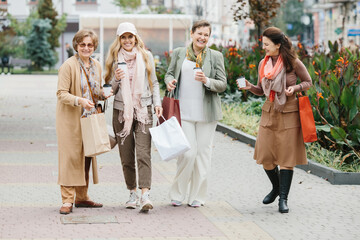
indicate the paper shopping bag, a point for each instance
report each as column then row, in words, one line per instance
column 169, row 139
column 95, row 135
column 171, row 107
column 307, row 120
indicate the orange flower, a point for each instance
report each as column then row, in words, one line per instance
column 313, row 63
column 260, row 39
column 340, row 60
column 251, row 66
column 317, row 73
column 299, row 45
column 319, row 95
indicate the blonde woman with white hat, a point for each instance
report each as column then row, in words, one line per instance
column 136, row 90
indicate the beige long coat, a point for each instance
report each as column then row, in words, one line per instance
column 68, row 130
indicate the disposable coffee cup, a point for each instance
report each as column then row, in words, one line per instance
column 107, row 90
column 197, row 69
column 122, row 66
column 241, row 82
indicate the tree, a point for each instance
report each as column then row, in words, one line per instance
column 289, row 16
column 47, row 11
column 132, row 4
column 6, row 35
column 260, row 11
column 38, row 48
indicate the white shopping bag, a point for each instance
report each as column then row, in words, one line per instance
column 169, row 139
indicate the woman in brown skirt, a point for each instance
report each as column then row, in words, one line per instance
column 279, row 141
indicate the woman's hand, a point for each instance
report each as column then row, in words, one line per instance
column 171, row 85
column 86, row 103
column 289, row 91
column 248, row 85
column 119, row 74
column 110, row 95
column 158, row 111
column 200, row 76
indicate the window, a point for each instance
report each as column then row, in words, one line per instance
column 3, row 2
column 86, row 1
column 33, row 2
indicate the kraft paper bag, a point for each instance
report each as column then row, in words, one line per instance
column 169, row 139
column 95, row 135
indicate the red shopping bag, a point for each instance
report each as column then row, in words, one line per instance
column 171, row 107
column 307, row 120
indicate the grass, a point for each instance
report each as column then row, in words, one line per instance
column 329, row 158
column 27, row 71
column 240, row 117
column 235, row 115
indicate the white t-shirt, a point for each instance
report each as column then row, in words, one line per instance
column 191, row 94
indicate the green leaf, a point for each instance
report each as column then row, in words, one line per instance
column 334, row 110
column 353, row 112
column 338, row 133
column 347, row 98
column 325, row 128
column 349, row 74
column 334, row 88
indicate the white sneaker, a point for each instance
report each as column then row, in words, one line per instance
column 196, row 204
column 176, row 203
column 133, row 200
column 145, row 203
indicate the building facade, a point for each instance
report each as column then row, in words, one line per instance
column 218, row 13
column 336, row 20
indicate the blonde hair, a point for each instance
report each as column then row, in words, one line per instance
column 113, row 54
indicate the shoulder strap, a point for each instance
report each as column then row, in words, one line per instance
column 87, row 80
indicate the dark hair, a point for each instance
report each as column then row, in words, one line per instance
column 81, row 34
column 200, row 23
column 287, row 52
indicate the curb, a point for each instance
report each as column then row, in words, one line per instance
column 333, row 176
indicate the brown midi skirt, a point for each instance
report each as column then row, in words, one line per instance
column 280, row 139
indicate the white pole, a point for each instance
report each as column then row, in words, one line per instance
column 171, row 34
column 102, row 41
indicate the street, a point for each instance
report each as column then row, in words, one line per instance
column 30, row 197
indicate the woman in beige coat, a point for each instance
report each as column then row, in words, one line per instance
column 74, row 97
column 280, row 141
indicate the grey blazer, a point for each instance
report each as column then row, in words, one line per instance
column 148, row 97
column 214, row 69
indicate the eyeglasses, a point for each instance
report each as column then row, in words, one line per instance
column 89, row 45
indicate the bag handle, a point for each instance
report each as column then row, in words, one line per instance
column 170, row 94
column 158, row 120
column 91, row 93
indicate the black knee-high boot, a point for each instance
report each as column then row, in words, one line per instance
column 274, row 178
column 285, row 183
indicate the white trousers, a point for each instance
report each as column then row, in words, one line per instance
column 193, row 167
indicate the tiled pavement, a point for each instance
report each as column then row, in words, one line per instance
column 30, row 198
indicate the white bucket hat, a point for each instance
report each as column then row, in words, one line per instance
column 126, row 27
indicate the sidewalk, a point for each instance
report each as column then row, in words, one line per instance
column 30, row 198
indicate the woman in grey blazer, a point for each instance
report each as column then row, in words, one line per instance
column 136, row 89
column 200, row 109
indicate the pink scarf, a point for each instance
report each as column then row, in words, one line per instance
column 273, row 81
column 132, row 87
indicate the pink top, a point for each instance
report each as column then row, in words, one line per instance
column 291, row 78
